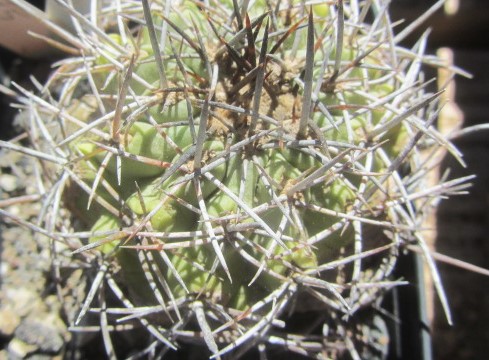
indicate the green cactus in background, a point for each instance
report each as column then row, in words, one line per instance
column 229, row 163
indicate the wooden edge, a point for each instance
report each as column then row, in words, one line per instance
column 451, row 118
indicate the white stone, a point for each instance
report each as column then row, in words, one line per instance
column 8, row 182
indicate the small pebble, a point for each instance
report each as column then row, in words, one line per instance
column 18, row 349
column 3, row 354
column 8, row 324
column 4, row 270
column 23, row 300
column 41, row 333
column 8, row 182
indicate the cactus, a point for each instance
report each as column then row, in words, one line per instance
column 227, row 164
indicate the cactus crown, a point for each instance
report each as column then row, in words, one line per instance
column 227, row 161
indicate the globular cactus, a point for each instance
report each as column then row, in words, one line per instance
column 229, row 164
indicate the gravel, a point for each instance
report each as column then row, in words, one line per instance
column 31, row 325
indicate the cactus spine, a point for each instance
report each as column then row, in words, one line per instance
column 228, row 163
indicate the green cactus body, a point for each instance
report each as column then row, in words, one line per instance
column 241, row 152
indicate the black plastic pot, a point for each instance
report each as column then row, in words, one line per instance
column 410, row 330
